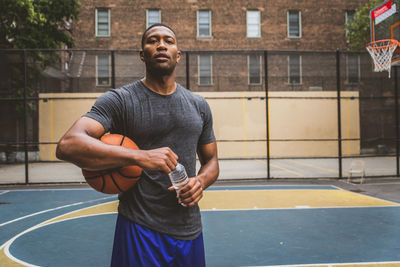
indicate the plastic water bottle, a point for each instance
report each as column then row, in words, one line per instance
column 178, row 177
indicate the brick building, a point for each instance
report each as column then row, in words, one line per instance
column 229, row 46
column 218, row 25
column 244, row 28
column 224, row 44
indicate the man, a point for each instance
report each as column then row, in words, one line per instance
column 155, row 226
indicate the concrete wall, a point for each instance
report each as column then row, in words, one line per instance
column 239, row 122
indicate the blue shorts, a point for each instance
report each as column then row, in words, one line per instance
column 135, row 245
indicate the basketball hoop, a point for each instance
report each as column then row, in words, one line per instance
column 381, row 52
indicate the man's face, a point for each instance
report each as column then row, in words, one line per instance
column 160, row 51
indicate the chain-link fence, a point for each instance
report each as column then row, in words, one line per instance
column 299, row 113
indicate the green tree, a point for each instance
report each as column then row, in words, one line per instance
column 37, row 23
column 32, row 24
column 358, row 30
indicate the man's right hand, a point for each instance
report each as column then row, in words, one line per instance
column 160, row 159
column 81, row 146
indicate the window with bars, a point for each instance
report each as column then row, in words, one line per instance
column 205, row 69
column 153, row 16
column 253, row 24
column 294, row 23
column 353, row 69
column 102, row 22
column 203, row 23
column 103, row 70
column 294, row 69
column 349, row 17
column 254, row 67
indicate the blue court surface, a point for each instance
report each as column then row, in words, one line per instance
column 299, row 225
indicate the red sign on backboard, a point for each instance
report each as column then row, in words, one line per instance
column 381, row 9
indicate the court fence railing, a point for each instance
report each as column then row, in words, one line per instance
column 292, row 105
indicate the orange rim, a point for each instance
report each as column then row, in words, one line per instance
column 381, row 44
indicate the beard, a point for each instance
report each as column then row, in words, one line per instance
column 163, row 69
column 155, row 70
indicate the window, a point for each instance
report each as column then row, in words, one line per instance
column 294, row 24
column 254, row 67
column 102, row 22
column 204, row 23
column 353, row 68
column 294, row 69
column 205, row 70
column 153, row 16
column 349, row 17
column 253, row 24
column 103, row 70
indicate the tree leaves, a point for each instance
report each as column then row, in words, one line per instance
column 37, row 23
column 358, row 30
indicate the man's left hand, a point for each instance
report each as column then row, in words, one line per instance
column 191, row 193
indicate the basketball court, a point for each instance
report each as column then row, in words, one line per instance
column 247, row 221
column 270, row 224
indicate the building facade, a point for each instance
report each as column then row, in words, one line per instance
column 218, row 25
column 236, row 46
column 238, row 30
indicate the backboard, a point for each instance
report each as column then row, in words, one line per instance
column 385, row 24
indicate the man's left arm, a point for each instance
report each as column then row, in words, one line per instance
column 192, row 192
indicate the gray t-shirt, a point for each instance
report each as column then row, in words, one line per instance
column 180, row 121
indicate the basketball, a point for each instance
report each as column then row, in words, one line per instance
column 114, row 181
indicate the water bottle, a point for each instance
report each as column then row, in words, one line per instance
column 178, row 177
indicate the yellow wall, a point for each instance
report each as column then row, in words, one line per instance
column 240, row 122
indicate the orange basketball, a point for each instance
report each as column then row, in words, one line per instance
column 114, row 181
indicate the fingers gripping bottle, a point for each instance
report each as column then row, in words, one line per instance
column 178, row 177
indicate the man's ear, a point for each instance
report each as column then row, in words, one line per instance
column 178, row 56
column 141, row 55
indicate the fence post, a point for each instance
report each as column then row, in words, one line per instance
column 396, row 115
column 113, row 69
column 339, row 119
column 187, row 71
column 267, row 111
column 26, row 119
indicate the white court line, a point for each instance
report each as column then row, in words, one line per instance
column 53, row 209
column 327, row 264
column 277, row 185
column 50, row 189
column 313, row 166
column 6, row 245
column 382, row 184
column 294, row 208
column 374, row 197
column 5, row 192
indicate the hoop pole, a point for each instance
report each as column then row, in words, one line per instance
column 396, row 105
column 267, row 113
column 339, row 113
column 26, row 117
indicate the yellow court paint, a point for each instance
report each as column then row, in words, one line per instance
column 105, row 208
column 108, row 207
column 281, row 199
column 249, row 199
column 312, row 166
column 6, row 261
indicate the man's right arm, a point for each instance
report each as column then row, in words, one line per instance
column 81, row 146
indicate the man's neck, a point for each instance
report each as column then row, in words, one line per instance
column 163, row 85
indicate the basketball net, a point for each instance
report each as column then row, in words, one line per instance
column 381, row 52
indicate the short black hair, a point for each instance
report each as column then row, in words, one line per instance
column 156, row 25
